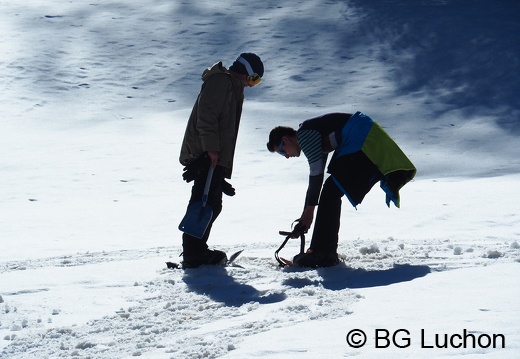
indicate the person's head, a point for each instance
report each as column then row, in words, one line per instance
column 283, row 141
column 249, row 68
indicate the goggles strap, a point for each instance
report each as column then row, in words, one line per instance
column 244, row 62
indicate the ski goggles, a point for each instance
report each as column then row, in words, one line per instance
column 280, row 151
column 253, row 78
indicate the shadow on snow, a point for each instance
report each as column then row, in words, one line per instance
column 342, row 277
column 216, row 283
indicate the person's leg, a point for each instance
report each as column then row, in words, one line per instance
column 196, row 249
column 324, row 243
column 326, row 228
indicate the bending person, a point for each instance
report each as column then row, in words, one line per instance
column 362, row 155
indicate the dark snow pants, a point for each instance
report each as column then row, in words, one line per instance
column 193, row 245
column 326, row 226
column 352, row 175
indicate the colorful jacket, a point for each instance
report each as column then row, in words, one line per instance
column 364, row 154
column 215, row 118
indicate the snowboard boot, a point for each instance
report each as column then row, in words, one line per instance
column 315, row 259
column 206, row 257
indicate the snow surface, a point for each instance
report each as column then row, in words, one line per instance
column 95, row 98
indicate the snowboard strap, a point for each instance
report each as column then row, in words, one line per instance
column 288, row 236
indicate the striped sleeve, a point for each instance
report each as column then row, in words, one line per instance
column 312, row 147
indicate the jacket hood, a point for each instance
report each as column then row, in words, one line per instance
column 217, row 68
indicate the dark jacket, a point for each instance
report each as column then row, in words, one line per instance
column 215, row 118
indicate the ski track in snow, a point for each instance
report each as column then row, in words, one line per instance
column 185, row 309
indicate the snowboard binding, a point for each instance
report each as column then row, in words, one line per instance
column 298, row 231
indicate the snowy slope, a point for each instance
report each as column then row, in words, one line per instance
column 95, row 98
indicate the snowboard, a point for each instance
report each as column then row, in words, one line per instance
column 286, row 262
column 229, row 262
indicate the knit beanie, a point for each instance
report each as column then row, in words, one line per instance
column 254, row 61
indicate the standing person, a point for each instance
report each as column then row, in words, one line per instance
column 363, row 154
column 210, row 140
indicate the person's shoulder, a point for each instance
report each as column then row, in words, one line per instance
column 218, row 79
column 333, row 115
column 215, row 69
column 217, row 83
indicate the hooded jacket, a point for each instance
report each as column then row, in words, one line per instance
column 215, row 118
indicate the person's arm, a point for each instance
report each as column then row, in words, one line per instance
column 211, row 102
column 311, row 144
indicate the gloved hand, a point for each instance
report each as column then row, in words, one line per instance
column 227, row 188
column 196, row 166
column 298, row 230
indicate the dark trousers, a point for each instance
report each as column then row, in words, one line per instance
column 193, row 245
column 326, row 227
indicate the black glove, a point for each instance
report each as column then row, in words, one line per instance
column 227, row 188
column 196, row 166
column 299, row 229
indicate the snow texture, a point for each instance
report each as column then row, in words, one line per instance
column 95, row 99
